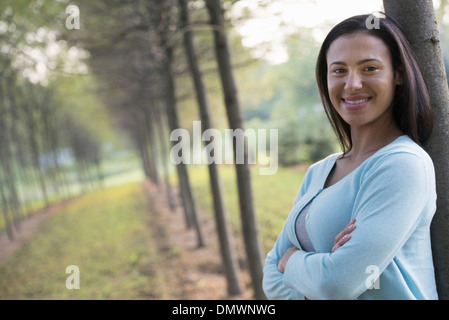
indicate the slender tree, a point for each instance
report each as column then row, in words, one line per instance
column 221, row 219
column 235, row 119
column 32, row 112
column 164, row 23
column 417, row 18
column 164, row 155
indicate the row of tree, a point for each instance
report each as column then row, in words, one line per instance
column 42, row 144
column 165, row 24
column 40, row 147
column 139, row 52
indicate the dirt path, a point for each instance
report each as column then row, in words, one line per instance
column 196, row 273
column 28, row 227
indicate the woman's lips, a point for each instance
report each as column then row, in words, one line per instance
column 355, row 103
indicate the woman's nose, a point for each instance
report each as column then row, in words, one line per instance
column 353, row 82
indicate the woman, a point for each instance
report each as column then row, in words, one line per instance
column 359, row 226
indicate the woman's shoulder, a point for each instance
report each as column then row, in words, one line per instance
column 402, row 154
column 403, row 148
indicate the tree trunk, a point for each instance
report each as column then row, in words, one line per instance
column 417, row 18
column 6, row 212
column 143, row 146
column 164, row 154
column 153, row 143
column 32, row 120
column 221, row 219
column 172, row 115
column 234, row 114
column 153, row 152
column 7, row 163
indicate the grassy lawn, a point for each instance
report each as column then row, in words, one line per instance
column 273, row 197
column 116, row 171
column 104, row 233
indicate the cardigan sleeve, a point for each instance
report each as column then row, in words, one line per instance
column 273, row 285
column 388, row 207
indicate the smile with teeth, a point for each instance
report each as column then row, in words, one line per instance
column 356, row 101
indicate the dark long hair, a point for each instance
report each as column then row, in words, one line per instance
column 411, row 103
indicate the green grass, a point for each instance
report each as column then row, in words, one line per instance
column 104, row 233
column 116, row 171
column 273, row 197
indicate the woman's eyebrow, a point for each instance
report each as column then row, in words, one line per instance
column 359, row 63
column 368, row 60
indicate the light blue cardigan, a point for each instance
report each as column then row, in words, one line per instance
column 393, row 199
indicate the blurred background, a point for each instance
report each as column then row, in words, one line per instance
column 89, row 94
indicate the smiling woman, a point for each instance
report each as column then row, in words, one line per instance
column 361, row 80
column 387, row 60
column 369, row 207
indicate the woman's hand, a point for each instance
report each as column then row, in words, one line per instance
column 339, row 241
column 283, row 262
column 343, row 236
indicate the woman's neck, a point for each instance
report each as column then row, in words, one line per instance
column 366, row 140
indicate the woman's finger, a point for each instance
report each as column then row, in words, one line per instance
column 341, row 242
column 343, row 236
column 348, row 229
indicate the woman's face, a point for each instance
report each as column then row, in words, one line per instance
column 360, row 78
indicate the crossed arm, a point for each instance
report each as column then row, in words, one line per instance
column 339, row 241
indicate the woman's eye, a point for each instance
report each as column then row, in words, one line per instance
column 371, row 68
column 339, row 70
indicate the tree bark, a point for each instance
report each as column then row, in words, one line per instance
column 417, row 18
column 234, row 114
column 221, row 219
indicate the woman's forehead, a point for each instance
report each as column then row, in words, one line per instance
column 357, row 46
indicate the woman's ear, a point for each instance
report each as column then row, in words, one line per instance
column 399, row 76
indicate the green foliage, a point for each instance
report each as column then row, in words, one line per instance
column 290, row 148
column 319, row 148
